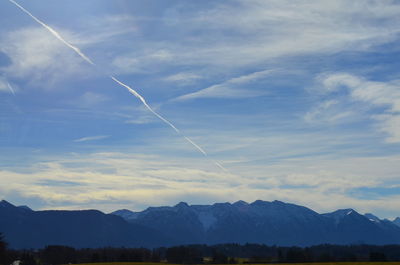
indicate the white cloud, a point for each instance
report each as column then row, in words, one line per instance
column 91, row 138
column 5, row 86
column 89, row 99
column 37, row 55
column 329, row 112
column 229, row 88
column 111, row 180
column 390, row 124
column 125, row 64
column 183, row 78
column 142, row 61
column 143, row 119
column 96, row 30
column 333, row 82
column 233, row 35
column 373, row 93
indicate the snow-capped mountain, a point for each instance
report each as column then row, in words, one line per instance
column 274, row 223
column 271, row 223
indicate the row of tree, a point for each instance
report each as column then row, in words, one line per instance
column 197, row 254
column 3, row 250
column 258, row 253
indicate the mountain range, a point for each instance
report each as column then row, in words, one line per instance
column 271, row 223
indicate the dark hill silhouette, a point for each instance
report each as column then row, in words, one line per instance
column 25, row 228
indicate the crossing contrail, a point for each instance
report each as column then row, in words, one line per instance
column 131, row 90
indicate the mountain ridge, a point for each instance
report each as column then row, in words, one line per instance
column 263, row 222
column 273, row 222
column 28, row 229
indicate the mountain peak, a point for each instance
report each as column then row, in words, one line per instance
column 122, row 211
column 264, row 203
column 343, row 212
column 4, row 204
column 397, row 221
column 126, row 214
column 340, row 214
column 372, row 217
column 182, row 205
column 258, row 203
column 240, row 203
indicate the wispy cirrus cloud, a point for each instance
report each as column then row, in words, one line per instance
column 329, row 112
column 234, row 35
column 95, row 30
column 142, row 119
column 383, row 97
column 91, row 138
column 5, row 86
column 90, row 98
column 232, row 88
column 39, row 57
column 36, row 55
column 183, row 78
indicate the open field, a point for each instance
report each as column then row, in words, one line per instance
column 315, row 263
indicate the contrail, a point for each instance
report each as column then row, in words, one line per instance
column 55, row 33
column 11, row 89
column 131, row 90
column 136, row 94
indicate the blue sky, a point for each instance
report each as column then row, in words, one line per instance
column 300, row 101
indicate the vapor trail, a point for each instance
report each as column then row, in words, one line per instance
column 55, row 33
column 131, row 90
column 136, row 94
column 221, row 167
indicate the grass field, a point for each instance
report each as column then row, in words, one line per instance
column 320, row 263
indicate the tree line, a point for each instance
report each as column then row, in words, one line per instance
column 201, row 254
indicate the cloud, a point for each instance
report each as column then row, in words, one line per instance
column 127, row 64
column 97, row 30
column 143, row 119
column 91, row 138
column 38, row 56
column 219, row 42
column 227, row 89
column 142, row 61
column 329, row 112
column 132, row 91
column 90, row 98
column 12, row 90
column 390, row 124
column 233, row 35
column 183, row 78
column 375, row 94
column 5, row 86
column 113, row 180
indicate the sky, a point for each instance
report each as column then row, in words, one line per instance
column 298, row 100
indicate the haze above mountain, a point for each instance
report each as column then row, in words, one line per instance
column 272, row 223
